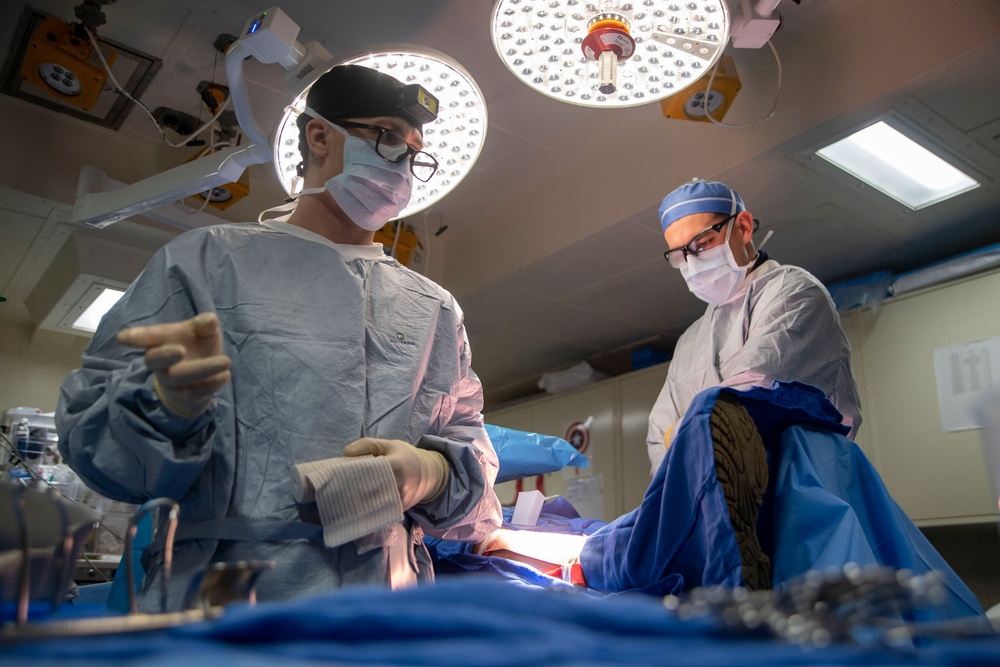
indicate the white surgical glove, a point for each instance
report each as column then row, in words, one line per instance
column 421, row 474
column 186, row 359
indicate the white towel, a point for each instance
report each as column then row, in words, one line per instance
column 356, row 496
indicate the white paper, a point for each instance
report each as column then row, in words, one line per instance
column 584, row 494
column 965, row 374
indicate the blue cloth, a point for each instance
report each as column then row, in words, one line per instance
column 826, row 506
column 466, row 622
column 831, row 507
column 556, row 516
column 117, row 599
column 524, row 454
column 699, row 197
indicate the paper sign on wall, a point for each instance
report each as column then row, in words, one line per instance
column 965, row 373
column 584, row 494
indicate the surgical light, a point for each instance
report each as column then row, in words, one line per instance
column 62, row 63
column 889, row 161
column 609, row 53
column 455, row 139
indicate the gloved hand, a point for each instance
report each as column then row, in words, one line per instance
column 668, row 436
column 186, row 359
column 421, row 474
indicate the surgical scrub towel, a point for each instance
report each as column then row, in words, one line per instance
column 354, row 496
column 826, row 506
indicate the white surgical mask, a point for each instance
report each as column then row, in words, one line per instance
column 370, row 190
column 713, row 275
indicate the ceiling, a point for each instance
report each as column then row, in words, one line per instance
column 552, row 244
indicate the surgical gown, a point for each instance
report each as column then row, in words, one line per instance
column 329, row 343
column 782, row 325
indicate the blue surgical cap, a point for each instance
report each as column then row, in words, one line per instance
column 699, row 197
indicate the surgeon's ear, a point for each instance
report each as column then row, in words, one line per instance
column 744, row 221
column 318, row 137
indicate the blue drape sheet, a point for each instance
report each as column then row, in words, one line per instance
column 826, row 506
column 466, row 621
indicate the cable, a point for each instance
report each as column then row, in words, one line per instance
column 427, row 250
column 395, row 239
column 777, row 94
column 208, row 151
column 121, row 91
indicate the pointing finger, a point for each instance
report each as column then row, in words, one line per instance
column 205, row 325
column 192, row 371
column 162, row 357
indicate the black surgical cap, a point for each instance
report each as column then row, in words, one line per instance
column 353, row 91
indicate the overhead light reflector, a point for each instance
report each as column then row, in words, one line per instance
column 455, row 139
column 897, row 166
column 609, row 53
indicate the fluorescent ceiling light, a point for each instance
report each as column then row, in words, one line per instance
column 455, row 139
column 897, row 166
column 91, row 317
column 86, row 267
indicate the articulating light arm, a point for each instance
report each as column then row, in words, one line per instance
column 271, row 38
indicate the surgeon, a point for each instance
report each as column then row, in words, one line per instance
column 765, row 321
column 245, row 351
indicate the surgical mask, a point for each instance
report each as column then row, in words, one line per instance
column 713, row 275
column 370, row 190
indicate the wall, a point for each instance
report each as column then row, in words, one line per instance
column 938, row 478
column 617, row 448
column 33, row 366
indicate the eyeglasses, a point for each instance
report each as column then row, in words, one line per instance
column 703, row 240
column 392, row 147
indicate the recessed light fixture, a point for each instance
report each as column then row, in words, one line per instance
column 455, row 139
column 92, row 315
column 892, row 163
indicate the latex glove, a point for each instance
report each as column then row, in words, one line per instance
column 668, row 436
column 421, row 474
column 186, row 359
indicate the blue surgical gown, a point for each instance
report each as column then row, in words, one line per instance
column 329, row 343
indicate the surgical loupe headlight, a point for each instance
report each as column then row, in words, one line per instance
column 417, row 103
column 437, row 91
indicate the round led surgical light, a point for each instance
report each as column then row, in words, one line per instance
column 455, row 138
column 610, row 53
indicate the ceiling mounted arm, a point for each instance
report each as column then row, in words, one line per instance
column 270, row 37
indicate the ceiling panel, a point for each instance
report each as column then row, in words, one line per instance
column 608, row 253
column 501, row 310
column 652, row 295
column 967, row 97
column 807, row 241
column 19, row 232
